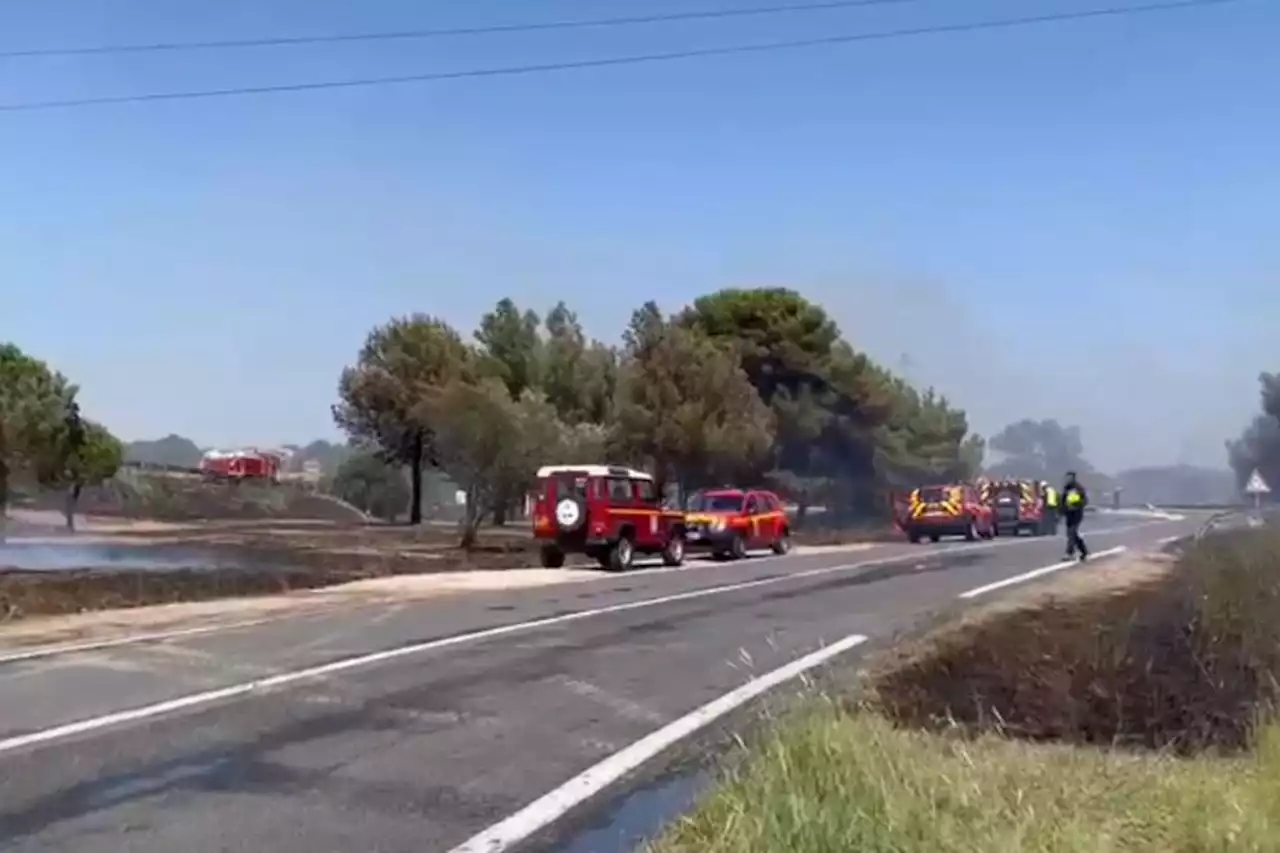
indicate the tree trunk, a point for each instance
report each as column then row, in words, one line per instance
column 415, row 482
column 471, row 518
column 73, row 500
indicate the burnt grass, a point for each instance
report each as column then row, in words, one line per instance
column 1185, row 663
column 247, row 559
column 238, row 570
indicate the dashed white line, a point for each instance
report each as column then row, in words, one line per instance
column 285, row 679
column 547, row 809
column 1035, row 573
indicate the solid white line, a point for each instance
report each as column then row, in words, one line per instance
column 287, row 678
column 547, row 809
column 1035, row 573
column 643, row 571
column 95, row 645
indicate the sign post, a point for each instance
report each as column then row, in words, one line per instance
column 1256, row 487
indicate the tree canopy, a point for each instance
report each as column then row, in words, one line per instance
column 44, row 438
column 1039, row 449
column 756, row 386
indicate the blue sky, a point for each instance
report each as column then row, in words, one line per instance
column 1076, row 220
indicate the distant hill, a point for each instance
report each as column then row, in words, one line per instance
column 182, row 452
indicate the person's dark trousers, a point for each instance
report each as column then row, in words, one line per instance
column 1074, row 542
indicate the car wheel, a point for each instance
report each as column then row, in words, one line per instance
column 971, row 532
column 621, row 555
column 934, row 537
column 783, row 545
column 552, row 557
column 913, row 538
column 738, row 547
column 673, row 554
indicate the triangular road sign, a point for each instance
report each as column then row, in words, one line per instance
column 1256, row 485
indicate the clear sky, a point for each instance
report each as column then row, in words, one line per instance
column 1075, row 220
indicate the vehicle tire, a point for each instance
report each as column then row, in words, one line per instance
column 913, row 538
column 673, row 554
column 783, row 545
column 971, row 531
column 737, row 547
column 934, row 537
column 552, row 557
column 621, row 555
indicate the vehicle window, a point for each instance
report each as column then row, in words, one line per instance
column 571, row 486
column 933, row 494
column 619, row 490
column 702, row 502
column 771, row 503
column 646, row 491
column 753, row 505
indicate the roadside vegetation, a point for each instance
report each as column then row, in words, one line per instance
column 44, row 438
column 1139, row 718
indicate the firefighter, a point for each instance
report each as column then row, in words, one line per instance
column 1050, row 506
column 1074, row 500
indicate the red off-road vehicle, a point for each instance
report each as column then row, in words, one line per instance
column 729, row 522
column 610, row 513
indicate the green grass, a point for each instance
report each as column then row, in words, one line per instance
column 834, row 781
column 997, row 736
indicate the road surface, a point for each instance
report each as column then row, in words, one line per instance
column 429, row 721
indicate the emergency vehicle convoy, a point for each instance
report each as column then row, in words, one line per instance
column 611, row 513
column 982, row 510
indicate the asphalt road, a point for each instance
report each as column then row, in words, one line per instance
column 422, row 747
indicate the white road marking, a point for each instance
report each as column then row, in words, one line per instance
column 182, row 633
column 547, row 809
column 146, row 712
column 1035, row 573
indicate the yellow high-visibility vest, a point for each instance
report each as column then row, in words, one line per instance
column 1074, row 498
column 1051, row 496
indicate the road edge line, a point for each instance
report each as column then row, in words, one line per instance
column 551, row 807
column 1040, row 572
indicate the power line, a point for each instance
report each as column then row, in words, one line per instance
column 406, row 35
column 635, row 59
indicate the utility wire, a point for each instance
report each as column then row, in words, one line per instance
column 406, row 35
column 634, row 59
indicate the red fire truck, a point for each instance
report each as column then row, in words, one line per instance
column 244, row 464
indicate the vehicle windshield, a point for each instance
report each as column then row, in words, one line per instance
column 701, row 502
column 933, row 494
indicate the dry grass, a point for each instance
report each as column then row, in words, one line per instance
column 836, row 781
column 1123, row 720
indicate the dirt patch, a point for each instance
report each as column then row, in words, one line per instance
column 1158, row 652
column 107, row 625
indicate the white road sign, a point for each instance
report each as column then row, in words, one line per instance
column 1256, row 485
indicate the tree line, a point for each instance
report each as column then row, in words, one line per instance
column 753, row 386
column 44, row 438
